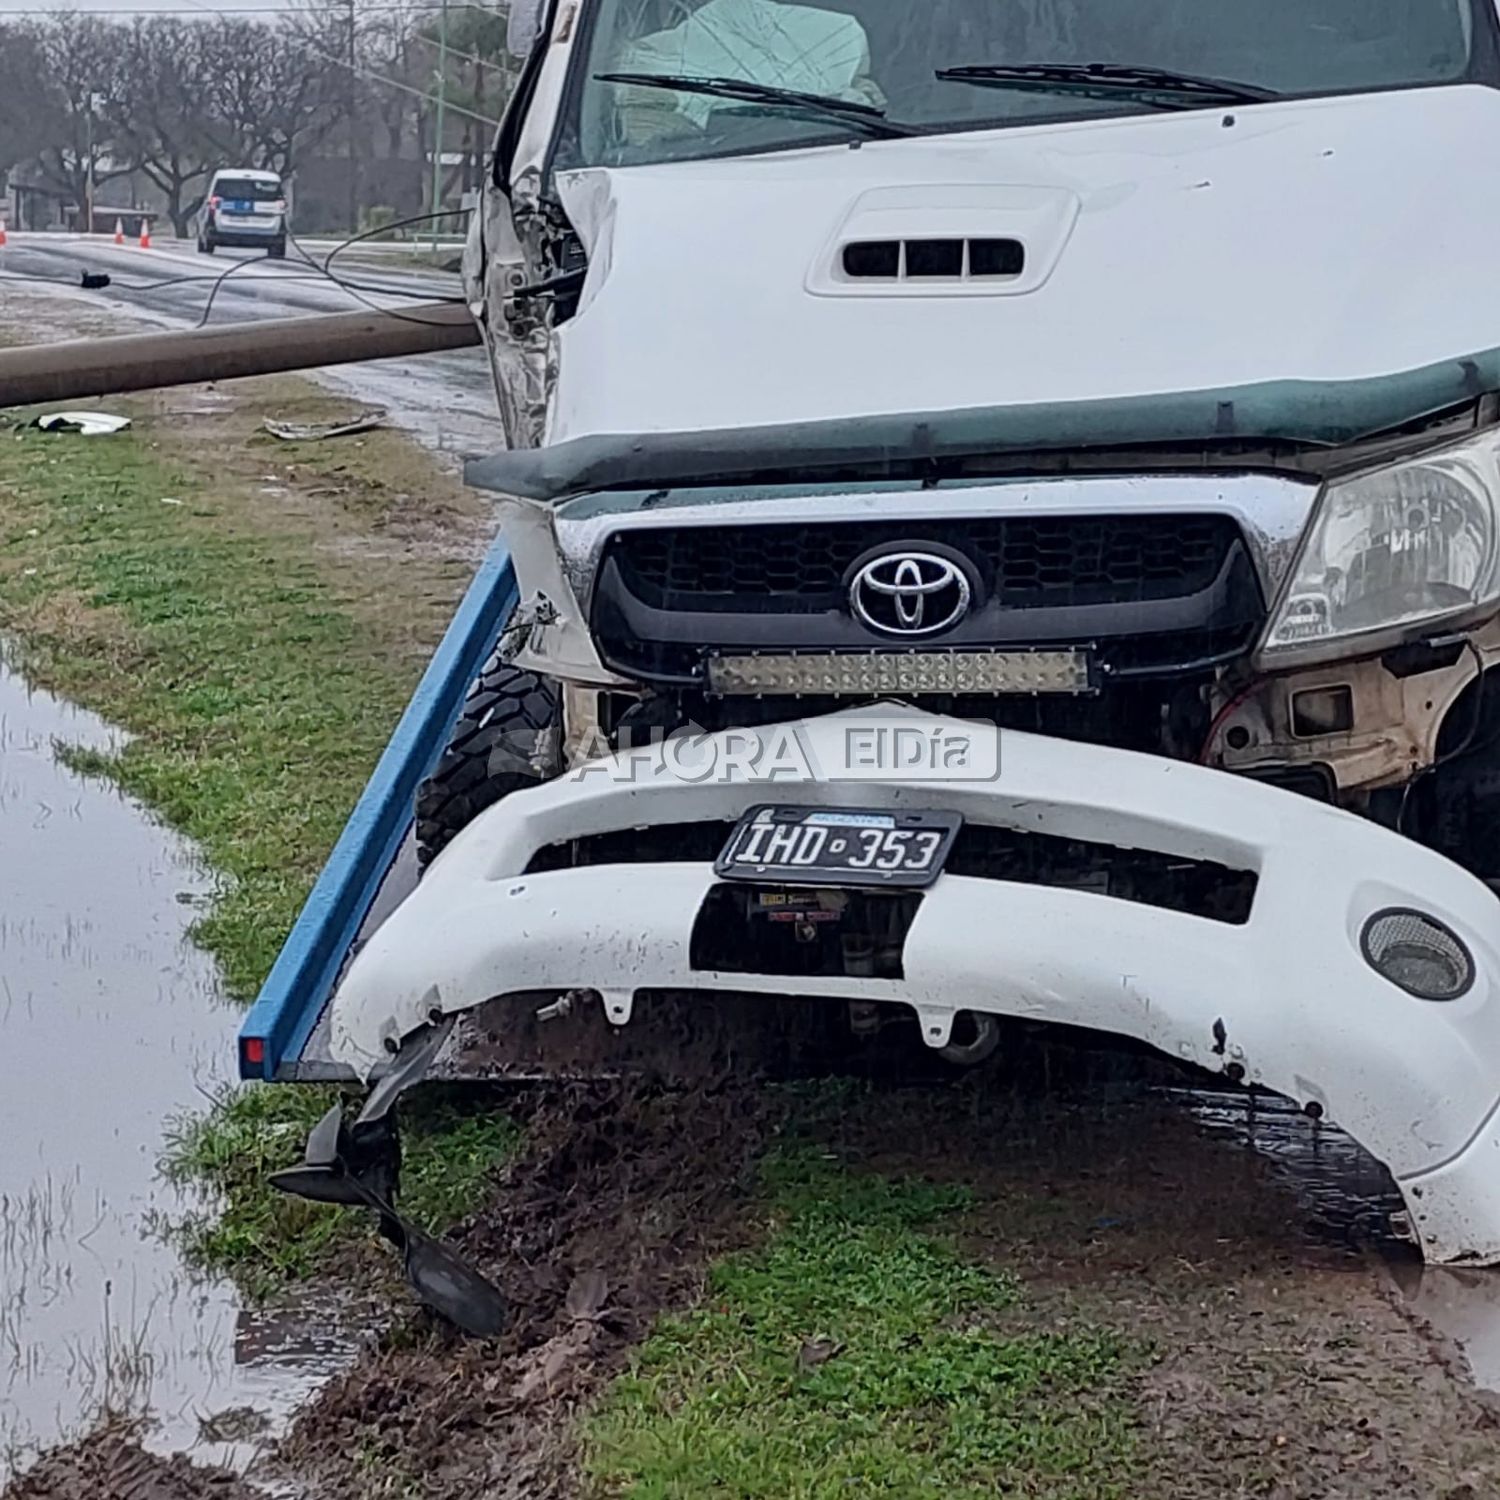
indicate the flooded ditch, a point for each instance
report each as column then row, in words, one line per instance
column 110, row 1024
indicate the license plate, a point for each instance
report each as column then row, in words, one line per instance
column 239, row 206
column 813, row 846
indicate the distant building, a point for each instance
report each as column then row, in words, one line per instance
column 30, row 203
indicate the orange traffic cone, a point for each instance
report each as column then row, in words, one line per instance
column 119, row 232
column 2, row 231
column 145, row 234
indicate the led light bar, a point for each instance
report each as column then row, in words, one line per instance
column 861, row 674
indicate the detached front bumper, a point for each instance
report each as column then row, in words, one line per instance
column 1286, row 999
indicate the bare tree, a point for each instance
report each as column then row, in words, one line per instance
column 270, row 93
column 79, row 56
column 389, row 48
column 27, row 105
column 88, row 98
column 158, row 115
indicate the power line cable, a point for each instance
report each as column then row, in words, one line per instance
column 354, row 288
column 322, row 272
column 351, row 288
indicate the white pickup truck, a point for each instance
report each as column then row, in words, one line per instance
column 1099, row 400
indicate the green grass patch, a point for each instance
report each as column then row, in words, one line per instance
column 259, row 660
column 265, row 1238
column 257, row 701
column 928, row 1396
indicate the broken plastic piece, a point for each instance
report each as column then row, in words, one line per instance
column 86, row 423
column 311, row 432
column 357, row 1167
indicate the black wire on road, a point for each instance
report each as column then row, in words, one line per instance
column 353, row 289
column 322, row 271
column 344, row 283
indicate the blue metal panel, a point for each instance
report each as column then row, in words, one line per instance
column 283, row 1016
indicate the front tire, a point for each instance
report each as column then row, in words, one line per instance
column 509, row 736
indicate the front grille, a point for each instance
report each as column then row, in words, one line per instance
column 1024, row 563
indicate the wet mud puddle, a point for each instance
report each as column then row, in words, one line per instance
column 1349, row 1196
column 110, row 1025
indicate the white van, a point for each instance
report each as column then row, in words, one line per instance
column 243, row 207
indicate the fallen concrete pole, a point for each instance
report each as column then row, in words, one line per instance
column 144, row 361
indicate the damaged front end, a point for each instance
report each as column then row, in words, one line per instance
column 1225, row 594
column 1281, row 942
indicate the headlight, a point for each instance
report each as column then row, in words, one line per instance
column 1409, row 545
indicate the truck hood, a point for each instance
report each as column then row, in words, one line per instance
column 1310, row 268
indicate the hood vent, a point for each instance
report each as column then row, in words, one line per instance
column 945, row 240
column 934, row 260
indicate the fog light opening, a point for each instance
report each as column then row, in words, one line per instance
column 1418, row 954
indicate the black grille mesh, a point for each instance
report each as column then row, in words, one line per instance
column 1035, row 561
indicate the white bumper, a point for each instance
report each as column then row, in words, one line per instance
column 1287, row 996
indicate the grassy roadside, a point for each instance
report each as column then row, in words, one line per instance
column 245, row 640
column 860, row 1352
column 255, row 615
column 236, row 617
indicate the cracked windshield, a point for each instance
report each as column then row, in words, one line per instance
column 890, row 57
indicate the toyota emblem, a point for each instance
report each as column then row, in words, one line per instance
column 910, row 594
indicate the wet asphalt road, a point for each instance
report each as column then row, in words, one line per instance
column 444, row 400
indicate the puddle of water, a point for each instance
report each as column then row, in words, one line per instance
column 1463, row 1304
column 1350, row 1196
column 110, row 1023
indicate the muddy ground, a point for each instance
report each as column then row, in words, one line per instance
column 1278, row 1357
column 1281, row 1359
column 612, row 1214
column 113, row 1464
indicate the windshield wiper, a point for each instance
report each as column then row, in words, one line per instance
column 1154, row 86
column 863, row 117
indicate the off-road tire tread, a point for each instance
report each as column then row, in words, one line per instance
column 504, row 700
